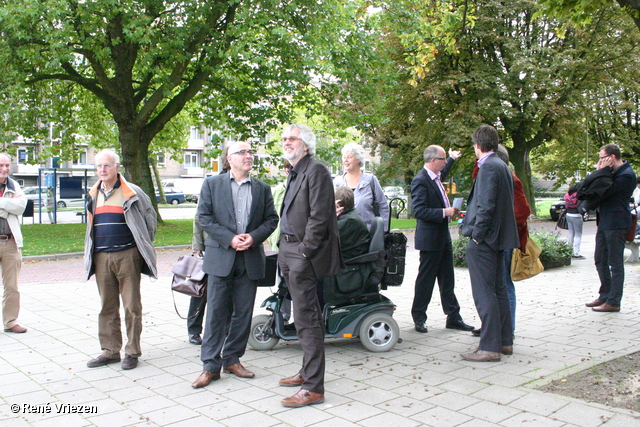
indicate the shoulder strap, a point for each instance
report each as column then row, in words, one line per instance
column 376, row 204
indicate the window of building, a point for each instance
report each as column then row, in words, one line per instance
column 191, row 159
column 160, row 160
column 196, row 133
column 81, row 158
column 23, row 156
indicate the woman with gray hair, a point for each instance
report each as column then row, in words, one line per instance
column 369, row 198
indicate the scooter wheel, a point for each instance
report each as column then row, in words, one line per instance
column 379, row 332
column 262, row 335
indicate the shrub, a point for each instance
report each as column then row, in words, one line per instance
column 555, row 252
column 459, row 249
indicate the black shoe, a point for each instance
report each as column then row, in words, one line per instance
column 102, row 361
column 476, row 332
column 195, row 339
column 422, row 327
column 459, row 325
column 129, row 362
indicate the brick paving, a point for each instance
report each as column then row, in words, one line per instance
column 422, row 381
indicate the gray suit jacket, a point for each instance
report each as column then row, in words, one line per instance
column 217, row 218
column 312, row 217
column 490, row 216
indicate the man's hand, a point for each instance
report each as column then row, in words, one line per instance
column 242, row 242
column 197, row 252
column 451, row 212
column 603, row 163
column 339, row 209
column 454, row 154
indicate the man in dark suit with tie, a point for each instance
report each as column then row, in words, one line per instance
column 236, row 211
column 431, row 208
column 309, row 250
column 491, row 224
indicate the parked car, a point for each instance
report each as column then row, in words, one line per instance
column 394, row 192
column 174, row 195
column 37, row 194
column 192, row 198
column 70, row 203
column 558, row 207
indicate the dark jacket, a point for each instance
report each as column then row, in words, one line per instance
column 594, row 187
column 614, row 212
column 354, row 234
column 490, row 213
column 432, row 228
column 311, row 213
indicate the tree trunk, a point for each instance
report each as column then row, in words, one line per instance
column 519, row 156
column 135, row 160
column 156, row 174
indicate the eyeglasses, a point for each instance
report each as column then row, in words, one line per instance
column 604, row 157
column 243, row 152
column 104, row 166
column 439, row 158
column 290, row 138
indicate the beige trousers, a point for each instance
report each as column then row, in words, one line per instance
column 11, row 261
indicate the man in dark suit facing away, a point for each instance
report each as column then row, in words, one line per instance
column 309, row 250
column 236, row 211
column 432, row 210
column 491, row 224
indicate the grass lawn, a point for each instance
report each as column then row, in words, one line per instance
column 46, row 239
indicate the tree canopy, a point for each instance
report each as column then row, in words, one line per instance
column 136, row 64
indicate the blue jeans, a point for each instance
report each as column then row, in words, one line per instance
column 511, row 289
column 609, row 260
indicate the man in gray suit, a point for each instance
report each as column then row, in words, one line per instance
column 236, row 211
column 491, row 224
column 309, row 250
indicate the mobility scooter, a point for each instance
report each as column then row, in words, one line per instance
column 353, row 306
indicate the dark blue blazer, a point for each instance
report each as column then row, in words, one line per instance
column 432, row 229
column 490, row 214
column 614, row 210
column 217, row 218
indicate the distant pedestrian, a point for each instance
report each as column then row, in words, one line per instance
column 12, row 205
column 574, row 220
column 118, row 248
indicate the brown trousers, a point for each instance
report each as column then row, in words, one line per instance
column 11, row 261
column 118, row 274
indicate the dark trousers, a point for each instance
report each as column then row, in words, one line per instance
column 609, row 260
column 490, row 296
column 195, row 317
column 435, row 265
column 301, row 281
column 230, row 307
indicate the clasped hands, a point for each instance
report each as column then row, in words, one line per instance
column 242, row 242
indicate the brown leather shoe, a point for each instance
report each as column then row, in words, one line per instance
column 102, row 361
column 239, row 370
column 481, row 356
column 595, row 303
column 16, row 329
column 294, row 381
column 302, row 398
column 507, row 350
column 606, row 308
column 205, row 378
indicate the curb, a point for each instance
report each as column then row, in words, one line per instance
column 57, row 257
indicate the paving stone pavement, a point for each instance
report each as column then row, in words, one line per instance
column 422, row 381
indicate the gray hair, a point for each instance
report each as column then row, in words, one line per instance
column 307, row 136
column 431, row 152
column 111, row 153
column 503, row 153
column 356, row 150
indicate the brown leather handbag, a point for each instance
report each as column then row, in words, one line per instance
column 188, row 277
